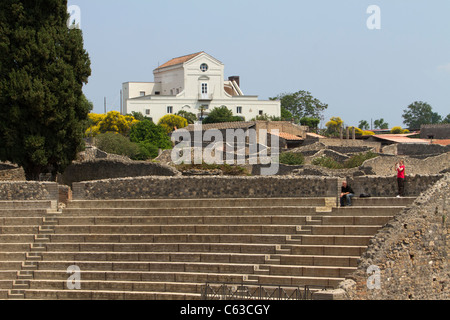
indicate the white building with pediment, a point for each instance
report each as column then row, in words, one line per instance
column 192, row 83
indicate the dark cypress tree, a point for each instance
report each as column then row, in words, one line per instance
column 43, row 67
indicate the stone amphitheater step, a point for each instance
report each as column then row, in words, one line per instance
column 383, row 201
column 164, row 229
column 170, row 238
column 190, row 211
column 130, row 248
column 105, row 295
column 182, row 220
column 162, row 247
column 24, row 205
column 197, row 203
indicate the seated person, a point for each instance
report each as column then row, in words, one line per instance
column 346, row 194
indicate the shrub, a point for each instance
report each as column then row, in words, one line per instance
column 116, row 144
column 292, row 159
column 171, row 121
column 147, row 131
column 353, row 162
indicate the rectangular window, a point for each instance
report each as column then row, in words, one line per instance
column 169, row 110
column 204, row 88
column 261, row 112
column 147, row 112
column 142, row 93
column 239, row 110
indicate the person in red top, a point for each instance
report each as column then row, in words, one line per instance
column 400, row 168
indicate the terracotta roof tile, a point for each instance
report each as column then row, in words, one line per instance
column 179, row 60
column 287, row 136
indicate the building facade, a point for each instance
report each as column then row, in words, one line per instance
column 193, row 83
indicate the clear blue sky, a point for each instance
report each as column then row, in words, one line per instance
column 321, row 46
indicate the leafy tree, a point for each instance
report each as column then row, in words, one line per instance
column 312, row 123
column 334, row 125
column 113, row 122
column 398, row 130
column 189, row 116
column 380, row 124
column 301, row 104
column 171, row 122
column 117, row 144
column 220, row 115
column 419, row 113
column 139, row 116
column 447, row 119
column 43, row 67
column 364, row 125
column 148, row 132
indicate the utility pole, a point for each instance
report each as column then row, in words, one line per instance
column 105, row 105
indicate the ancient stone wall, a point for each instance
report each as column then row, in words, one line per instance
column 11, row 191
column 206, row 187
column 110, row 169
column 11, row 173
column 378, row 186
column 409, row 257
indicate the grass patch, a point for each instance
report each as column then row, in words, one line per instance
column 227, row 170
column 353, row 162
column 293, row 159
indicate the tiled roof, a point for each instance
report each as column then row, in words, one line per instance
column 442, row 142
column 400, row 138
column 179, row 60
column 287, row 136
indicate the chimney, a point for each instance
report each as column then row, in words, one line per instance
column 235, row 78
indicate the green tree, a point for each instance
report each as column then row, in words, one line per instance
column 301, row 104
column 189, row 116
column 312, row 123
column 172, row 122
column 334, row 125
column 419, row 113
column 364, row 125
column 220, row 115
column 447, row 119
column 146, row 131
column 380, row 124
column 43, row 67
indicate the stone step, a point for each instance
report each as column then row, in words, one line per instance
column 185, row 220
column 173, row 229
column 146, row 276
column 170, row 238
column 26, row 204
column 208, row 203
column 346, row 240
column 12, row 256
column 296, row 280
column 161, row 247
column 6, row 284
column 21, row 221
column 11, row 265
column 327, row 250
column 312, row 260
column 14, row 247
column 33, row 213
column 365, row 211
column 5, row 230
column 345, row 230
column 200, row 267
column 355, row 220
column 310, row 271
column 383, row 201
column 16, row 238
column 8, row 274
column 105, row 295
column 191, row 211
column 130, row 286
column 215, row 257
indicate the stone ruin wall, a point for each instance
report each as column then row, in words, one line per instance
column 411, row 253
